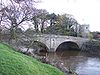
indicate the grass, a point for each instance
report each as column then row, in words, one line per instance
column 14, row 63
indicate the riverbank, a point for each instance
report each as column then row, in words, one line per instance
column 14, row 63
column 92, row 47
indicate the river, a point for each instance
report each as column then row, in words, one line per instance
column 81, row 63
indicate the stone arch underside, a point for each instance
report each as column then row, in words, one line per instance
column 68, row 45
column 40, row 46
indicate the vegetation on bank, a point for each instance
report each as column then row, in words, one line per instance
column 92, row 47
column 14, row 63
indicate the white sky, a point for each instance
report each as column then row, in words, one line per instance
column 85, row 11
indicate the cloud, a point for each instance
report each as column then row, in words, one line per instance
column 85, row 11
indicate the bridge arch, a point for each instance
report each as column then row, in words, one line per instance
column 40, row 46
column 67, row 45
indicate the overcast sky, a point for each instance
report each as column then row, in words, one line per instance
column 84, row 11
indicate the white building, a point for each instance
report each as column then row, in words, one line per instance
column 84, row 30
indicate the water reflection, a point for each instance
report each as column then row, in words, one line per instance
column 82, row 63
column 89, row 67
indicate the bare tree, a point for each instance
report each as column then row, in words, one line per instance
column 43, row 19
column 14, row 14
column 39, row 19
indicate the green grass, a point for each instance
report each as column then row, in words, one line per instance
column 14, row 63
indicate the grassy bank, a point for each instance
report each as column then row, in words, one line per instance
column 14, row 63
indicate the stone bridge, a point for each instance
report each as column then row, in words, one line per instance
column 52, row 42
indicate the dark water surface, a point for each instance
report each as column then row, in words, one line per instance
column 81, row 63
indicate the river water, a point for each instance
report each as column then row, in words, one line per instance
column 81, row 63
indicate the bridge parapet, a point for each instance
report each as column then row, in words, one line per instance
column 53, row 41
